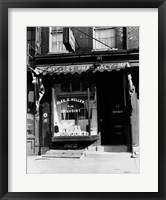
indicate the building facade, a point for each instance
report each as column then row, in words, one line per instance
column 33, row 49
column 90, row 81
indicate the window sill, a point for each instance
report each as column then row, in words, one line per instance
column 75, row 138
column 58, row 52
column 113, row 49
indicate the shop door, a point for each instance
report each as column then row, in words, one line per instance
column 112, row 114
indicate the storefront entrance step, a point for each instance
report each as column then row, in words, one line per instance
column 116, row 148
column 60, row 151
column 113, row 155
column 109, row 148
column 63, row 154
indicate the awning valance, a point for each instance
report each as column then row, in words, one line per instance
column 65, row 69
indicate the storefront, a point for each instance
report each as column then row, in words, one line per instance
column 89, row 103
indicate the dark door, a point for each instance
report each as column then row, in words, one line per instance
column 111, row 100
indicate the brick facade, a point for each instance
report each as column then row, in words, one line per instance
column 125, row 38
column 84, row 43
column 132, row 37
column 44, row 40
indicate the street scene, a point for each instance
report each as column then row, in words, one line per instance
column 83, row 100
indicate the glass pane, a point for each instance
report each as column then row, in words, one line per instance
column 71, row 113
column 106, row 36
column 93, row 113
column 57, row 41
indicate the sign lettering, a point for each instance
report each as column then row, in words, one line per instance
column 70, row 99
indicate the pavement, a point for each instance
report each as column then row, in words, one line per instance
column 82, row 162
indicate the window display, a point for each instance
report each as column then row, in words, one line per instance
column 71, row 109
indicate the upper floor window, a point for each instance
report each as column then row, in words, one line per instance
column 106, row 35
column 56, row 40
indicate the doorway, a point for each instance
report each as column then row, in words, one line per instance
column 112, row 108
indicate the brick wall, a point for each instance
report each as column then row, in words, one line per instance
column 85, row 43
column 44, row 40
column 132, row 37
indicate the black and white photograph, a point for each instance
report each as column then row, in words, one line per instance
column 82, row 100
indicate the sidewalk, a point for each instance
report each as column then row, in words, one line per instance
column 88, row 163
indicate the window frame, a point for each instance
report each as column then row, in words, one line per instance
column 94, row 41
column 50, row 41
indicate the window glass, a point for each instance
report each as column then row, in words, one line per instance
column 56, row 38
column 106, row 36
column 71, row 114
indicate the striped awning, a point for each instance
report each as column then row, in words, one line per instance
column 65, row 69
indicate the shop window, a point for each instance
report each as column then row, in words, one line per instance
column 56, row 40
column 106, row 35
column 71, row 112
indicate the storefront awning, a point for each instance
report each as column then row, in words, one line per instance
column 43, row 70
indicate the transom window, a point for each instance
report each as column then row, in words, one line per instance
column 106, row 35
column 74, row 87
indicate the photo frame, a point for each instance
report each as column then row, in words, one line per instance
column 4, row 194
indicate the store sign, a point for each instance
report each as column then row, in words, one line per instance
column 69, row 39
column 110, row 67
column 71, row 111
column 70, row 99
column 80, row 68
column 63, row 69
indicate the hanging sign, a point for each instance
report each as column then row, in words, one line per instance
column 69, row 39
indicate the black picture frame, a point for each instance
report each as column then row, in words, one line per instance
column 4, row 6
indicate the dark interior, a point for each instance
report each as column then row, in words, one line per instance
column 111, row 105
